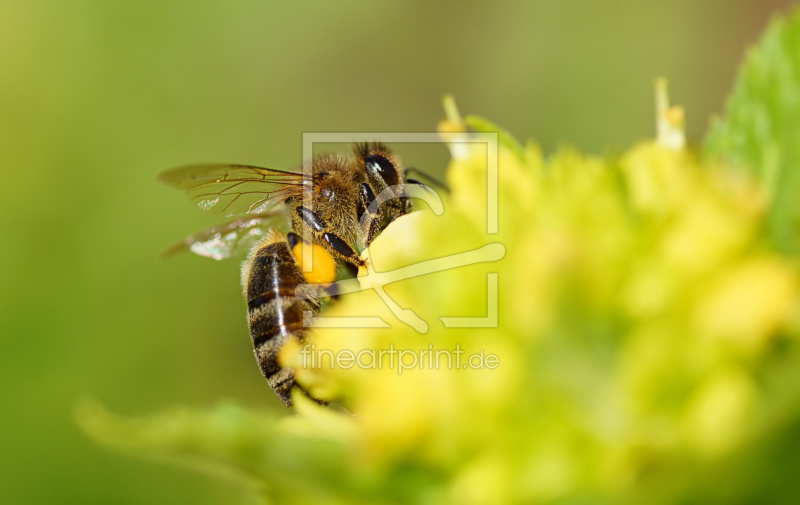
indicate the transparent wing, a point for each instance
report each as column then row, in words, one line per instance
column 231, row 239
column 235, row 189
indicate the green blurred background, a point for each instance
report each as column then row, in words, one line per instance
column 98, row 97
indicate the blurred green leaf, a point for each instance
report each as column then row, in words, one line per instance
column 253, row 448
column 760, row 131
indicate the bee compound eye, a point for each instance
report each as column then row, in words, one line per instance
column 383, row 168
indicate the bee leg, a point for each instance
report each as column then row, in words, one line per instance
column 311, row 218
column 335, row 243
column 374, row 229
column 418, row 183
column 369, row 217
column 340, row 246
column 435, row 182
column 406, row 206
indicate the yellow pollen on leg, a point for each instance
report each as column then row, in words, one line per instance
column 323, row 266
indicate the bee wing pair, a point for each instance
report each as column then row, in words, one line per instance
column 234, row 190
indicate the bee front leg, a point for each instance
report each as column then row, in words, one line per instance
column 370, row 215
column 343, row 248
column 436, row 182
column 336, row 244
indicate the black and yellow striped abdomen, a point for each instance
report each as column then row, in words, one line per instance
column 274, row 312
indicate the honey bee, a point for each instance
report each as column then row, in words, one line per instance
column 333, row 208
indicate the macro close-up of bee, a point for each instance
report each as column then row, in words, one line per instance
column 510, row 253
column 332, row 208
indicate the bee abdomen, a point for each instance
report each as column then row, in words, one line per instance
column 271, row 324
column 275, row 313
